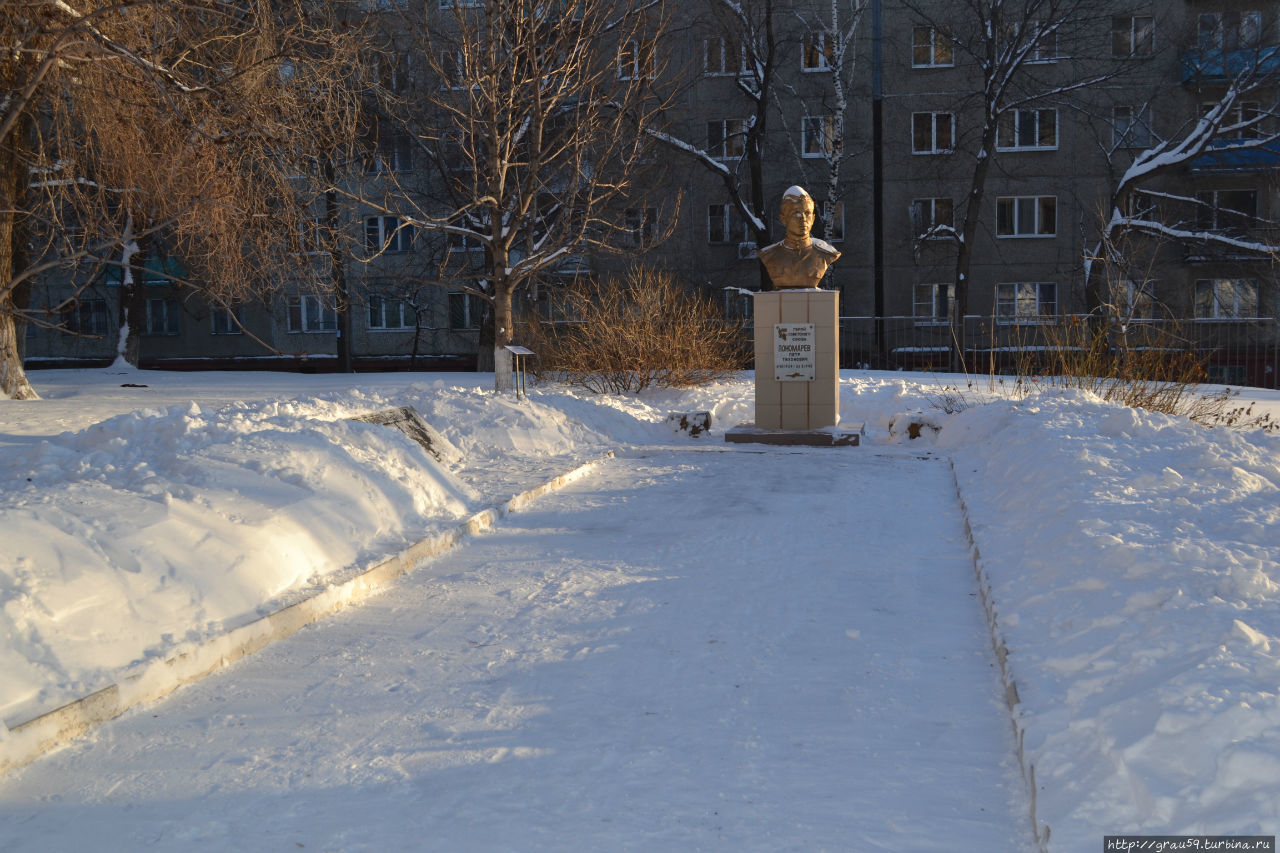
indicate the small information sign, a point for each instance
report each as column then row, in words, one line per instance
column 794, row 358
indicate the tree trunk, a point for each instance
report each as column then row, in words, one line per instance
column 964, row 252
column 503, row 334
column 13, row 379
column 133, row 304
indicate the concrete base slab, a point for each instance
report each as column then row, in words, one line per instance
column 845, row 435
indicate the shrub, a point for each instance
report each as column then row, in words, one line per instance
column 644, row 329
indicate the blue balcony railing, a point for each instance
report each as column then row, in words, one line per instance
column 1220, row 66
column 1239, row 155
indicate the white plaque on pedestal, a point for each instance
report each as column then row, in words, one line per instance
column 794, row 352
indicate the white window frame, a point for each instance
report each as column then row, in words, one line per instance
column 1241, row 111
column 1014, row 298
column 939, row 45
column 636, row 60
column 163, row 317
column 1046, row 50
column 1210, row 210
column 836, row 212
column 930, row 296
column 936, row 119
column 470, row 313
column 388, row 235
column 924, row 216
column 1138, row 33
column 393, row 154
column 309, row 315
column 1135, row 300
column 1133, row 130
column 311, row 235
column 1209, row 293
column 726, row 219
column 819, row 137
column 1017, row 207
column 733, row 138
column 716, row 54
column 641, row 225
column 1013, row 125
column 225, row 320
column 818, row 52
column 87, row 317
column 377, row 315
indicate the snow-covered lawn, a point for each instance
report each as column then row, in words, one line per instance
column 1133, row 559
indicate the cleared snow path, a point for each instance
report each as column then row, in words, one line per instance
column 667, row 656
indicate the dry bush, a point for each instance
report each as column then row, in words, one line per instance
column 1145, row 366
column 642, row 330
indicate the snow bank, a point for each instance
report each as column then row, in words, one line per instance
column 1134, row 558
column 1135, row 562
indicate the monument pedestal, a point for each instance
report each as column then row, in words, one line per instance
column 797, row 356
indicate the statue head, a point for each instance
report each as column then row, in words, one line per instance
column 796, row 213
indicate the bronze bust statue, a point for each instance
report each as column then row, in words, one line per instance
column 798, row 261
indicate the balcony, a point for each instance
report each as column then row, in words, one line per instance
column 1223, row 66
column 1230, row 155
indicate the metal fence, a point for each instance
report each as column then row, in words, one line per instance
column 1234, row 352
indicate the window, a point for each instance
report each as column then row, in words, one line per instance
column 1027, row 216
column 819, row 52
column 932, row 133
column 931, row 48
column 1021, row 130
column 394, row 153
column 226, row 321
column 464, row 242
column 461, row 4
column 725, row 225
column 832, row 212
column 1229, row 30
column 163, row 317
column 308, row 314
column 395, row 71
column 640, row 224
column 635, row 60
column 87, row 317
column 1131, row 127
column 389, row 314
column 1133, row 300
column 1044, row 43
column 1242, row 115
column 722, row 57
column 819, row 136
column 1133, row 35
column 726, row 138
column 311, row 235
column 1226, row 298
column 1026, row 301
column 387, row 234
column 1227, row 211
column 464, row 310
column 931, row 217
column 932, row 303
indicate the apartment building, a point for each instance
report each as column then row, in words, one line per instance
column 939, row 146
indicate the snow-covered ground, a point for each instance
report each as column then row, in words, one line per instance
column 1133, row 558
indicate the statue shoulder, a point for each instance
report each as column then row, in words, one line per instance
column 770, row 250
column 826, row 248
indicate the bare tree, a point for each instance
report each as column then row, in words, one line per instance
column 1152, row 202
column 131, row 126
column 829, row 46
column 1024, row 55
column 533, row 112
column 741, row 42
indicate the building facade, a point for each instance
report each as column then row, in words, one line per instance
column 1101, row 157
